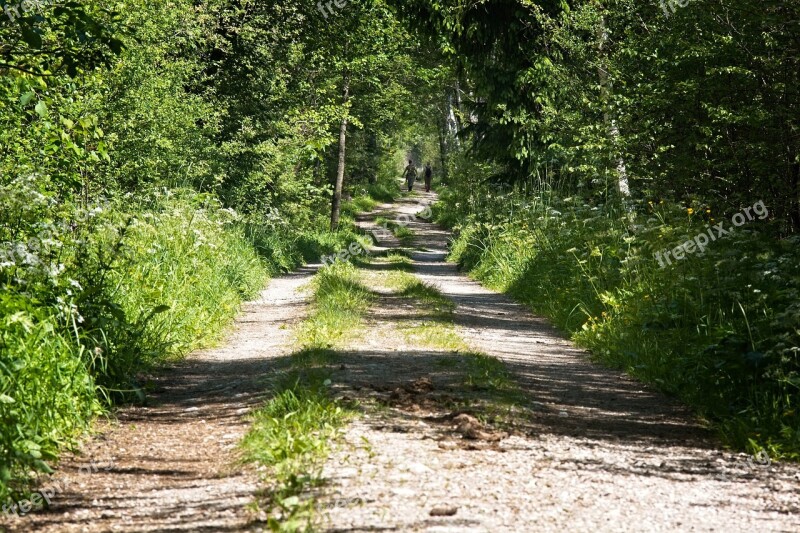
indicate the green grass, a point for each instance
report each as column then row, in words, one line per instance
column 383, row 191
column 292, row 434
column 47, row 393
column 339, row 303
column 481, row 372
column 142, row 284
column 389, row 261
column 196, row 265
column 367, row 198
column 291, row 437
column 403, row 233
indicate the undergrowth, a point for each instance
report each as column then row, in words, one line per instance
column 718, row 329
column 93, row 298
column 291, row 436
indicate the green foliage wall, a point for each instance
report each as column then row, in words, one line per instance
column 702, row 104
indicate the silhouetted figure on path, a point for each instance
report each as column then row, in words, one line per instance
column 428, row 177
column 410, row 175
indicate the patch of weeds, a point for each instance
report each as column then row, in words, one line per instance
column 409, row 286
column 339, row 303
column 361, row 204
column 396, row 261
column 382, row 262
column 292, row 434
column 314, row 358
column 429, row 296
column 291, row 437
column 447, row 362
column 394, row 253
column 383, row 192
column 404, row 234
column 442, row 336
column 487, row 373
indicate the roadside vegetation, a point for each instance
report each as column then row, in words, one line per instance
column 159, row 161
column 717, row 329
column 597, row 141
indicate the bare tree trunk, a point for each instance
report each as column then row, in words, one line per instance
column 443, row 147
column 336, row 204
column 794, row 203
column 623, row 187
column 458, row 105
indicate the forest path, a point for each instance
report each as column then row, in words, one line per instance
column 589, row 448
column 580, row 447
column 172, row 466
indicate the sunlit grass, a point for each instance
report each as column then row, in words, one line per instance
column 339, row 302
column 402, row 232
column 291, row 437
column 292, row 434
column 717, row 330
column 481, row 372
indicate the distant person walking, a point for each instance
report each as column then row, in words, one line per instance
column 428, row 177
column 410, row 175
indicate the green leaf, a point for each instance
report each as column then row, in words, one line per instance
column 41, row 109
column 31, row 37
column 43, row 467
column 292, row 501
column 6, row 399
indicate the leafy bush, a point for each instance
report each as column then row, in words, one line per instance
column 89, row 304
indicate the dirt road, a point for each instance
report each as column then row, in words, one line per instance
column 582, row 448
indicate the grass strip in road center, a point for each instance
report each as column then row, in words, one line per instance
column 292, row 434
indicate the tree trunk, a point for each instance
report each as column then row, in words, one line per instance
column 336, row 204
column 623, row 187
column 443, row 147
column 794, row 214
column 458, row 106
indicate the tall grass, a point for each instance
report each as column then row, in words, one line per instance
column 720, row 329
column 47, row 394
column 88, row 307
column 292, row 434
